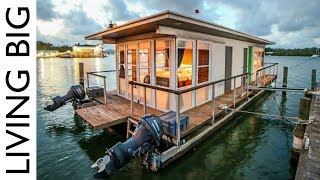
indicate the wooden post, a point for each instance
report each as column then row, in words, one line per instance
column 81, row 74
column 88, row 81
column 313, row 82
column 304, row 110
column 105, row 90
column 285, row 79
column 313, row 79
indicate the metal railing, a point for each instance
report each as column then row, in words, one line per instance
column 261, row 73
column 96, row 73
column 178, row 94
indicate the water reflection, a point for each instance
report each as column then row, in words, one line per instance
column 250, row 147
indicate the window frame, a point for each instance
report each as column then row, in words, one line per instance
column 193, row 72
column 169, row 59
column 209, row 64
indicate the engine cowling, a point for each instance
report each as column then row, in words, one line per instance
column 148, row 134
column 75, row 92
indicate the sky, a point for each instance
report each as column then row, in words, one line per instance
column 289, row 23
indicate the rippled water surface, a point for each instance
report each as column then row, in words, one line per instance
column 250, row 147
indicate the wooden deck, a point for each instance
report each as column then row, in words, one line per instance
column 118, row 109
column 309, row 161
column 202, row 114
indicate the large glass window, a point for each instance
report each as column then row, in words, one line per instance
column 203, row 62
column 185, row 57
column 258, row 59
column 144, row 70
column 203, row 71
column 121, row 70
column 162, row 63
column 132, row 67
column 162, row 73
column 132, row 62
column 144, row 62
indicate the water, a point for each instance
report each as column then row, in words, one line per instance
column 250, row 147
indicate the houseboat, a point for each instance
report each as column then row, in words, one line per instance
column 178, row 79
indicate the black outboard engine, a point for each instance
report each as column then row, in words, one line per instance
column 76, row 93
column 143, row 143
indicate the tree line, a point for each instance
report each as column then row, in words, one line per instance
column 292, row 52
column 48, row 46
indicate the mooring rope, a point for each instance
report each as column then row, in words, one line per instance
column 298, row 121
column 296, row 65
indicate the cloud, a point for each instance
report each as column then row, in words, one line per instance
column 305, row 15
column 45, row 10
column 206, row 8
column 290, row 23
column 78, row 23
column 120, row 11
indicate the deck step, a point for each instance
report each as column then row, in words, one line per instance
column 131, row 126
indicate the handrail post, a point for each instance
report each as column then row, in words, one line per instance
column 263, row 75
column 273, row 69
column 145, row 100
column 234, row 93
column 178, row 118
column 88, row 80
column 132, row 100
column 213, row 103
column 243, row 82
column 247, row 86
column 257, row 75
column 269, row 70
column 105, row 90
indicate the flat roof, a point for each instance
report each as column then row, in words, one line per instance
column 174, row 20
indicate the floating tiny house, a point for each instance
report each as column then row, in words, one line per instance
column 174, row 51
column 171, row 64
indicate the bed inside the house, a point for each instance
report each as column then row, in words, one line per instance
column 184, row 72
column 163, row 77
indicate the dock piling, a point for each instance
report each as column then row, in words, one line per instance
column 313, row 79
column 81, row 74
column 304, row 110
column 285, row 79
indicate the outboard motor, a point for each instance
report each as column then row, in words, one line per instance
column 76, row 94
column 143, row 143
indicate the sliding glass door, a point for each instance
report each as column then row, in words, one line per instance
column 203, row 71
column 185, row 71
column 132, row 69
column 121, row 70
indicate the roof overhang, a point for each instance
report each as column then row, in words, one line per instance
column 150, row 25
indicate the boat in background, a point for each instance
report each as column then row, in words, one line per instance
column 316, row 54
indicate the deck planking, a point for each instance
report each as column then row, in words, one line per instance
column 309, row 161
column 118, row 109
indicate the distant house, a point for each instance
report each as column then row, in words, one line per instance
column 88, row 50
column 47, row 53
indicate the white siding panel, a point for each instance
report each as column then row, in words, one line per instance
column 218, row 59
